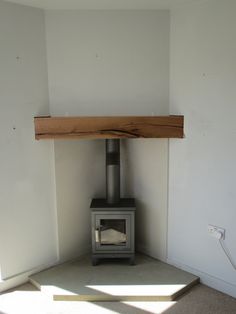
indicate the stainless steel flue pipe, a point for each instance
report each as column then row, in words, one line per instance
column 113, row 170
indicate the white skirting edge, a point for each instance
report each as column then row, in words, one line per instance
column 206, row 279
column 20, row 279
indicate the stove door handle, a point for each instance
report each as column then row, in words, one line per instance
column 97, row 235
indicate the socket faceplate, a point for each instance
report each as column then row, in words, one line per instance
column 216, row 232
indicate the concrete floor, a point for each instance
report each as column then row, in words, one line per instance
column 148, row 280
column 200, row 299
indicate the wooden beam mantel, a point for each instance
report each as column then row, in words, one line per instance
column 109, row 127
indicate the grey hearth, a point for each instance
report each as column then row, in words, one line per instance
column 113, row 218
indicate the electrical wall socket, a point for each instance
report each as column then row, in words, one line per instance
column 216, row 232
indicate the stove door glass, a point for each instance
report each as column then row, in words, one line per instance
column 113, row 232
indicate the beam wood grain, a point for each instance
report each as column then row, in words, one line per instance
column 109, row 127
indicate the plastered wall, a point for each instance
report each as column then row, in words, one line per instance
column 202, row 172
column 27, row 208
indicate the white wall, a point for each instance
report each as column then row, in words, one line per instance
column 79, row 177
column 202, row 171
column 146, row 172
column 108, row 63
column 27, row 213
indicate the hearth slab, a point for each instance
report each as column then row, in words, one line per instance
column 148, row 280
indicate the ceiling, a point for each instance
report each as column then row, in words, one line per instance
column 102, row 4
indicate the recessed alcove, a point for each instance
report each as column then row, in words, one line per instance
column 117, row 70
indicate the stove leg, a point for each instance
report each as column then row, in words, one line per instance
column 94, row 261
column 132, row 261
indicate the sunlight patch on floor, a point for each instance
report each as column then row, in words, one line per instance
column 137, row 290
column 152, row 307
column 23, row 302
column 35, row 302
column 51, row 289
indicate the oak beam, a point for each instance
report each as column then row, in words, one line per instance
column 109, row 127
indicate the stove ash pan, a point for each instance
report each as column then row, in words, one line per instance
column 113, row 218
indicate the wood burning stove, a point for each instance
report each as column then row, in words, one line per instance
column 113, row 218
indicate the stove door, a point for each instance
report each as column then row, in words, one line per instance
column 112, row 232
